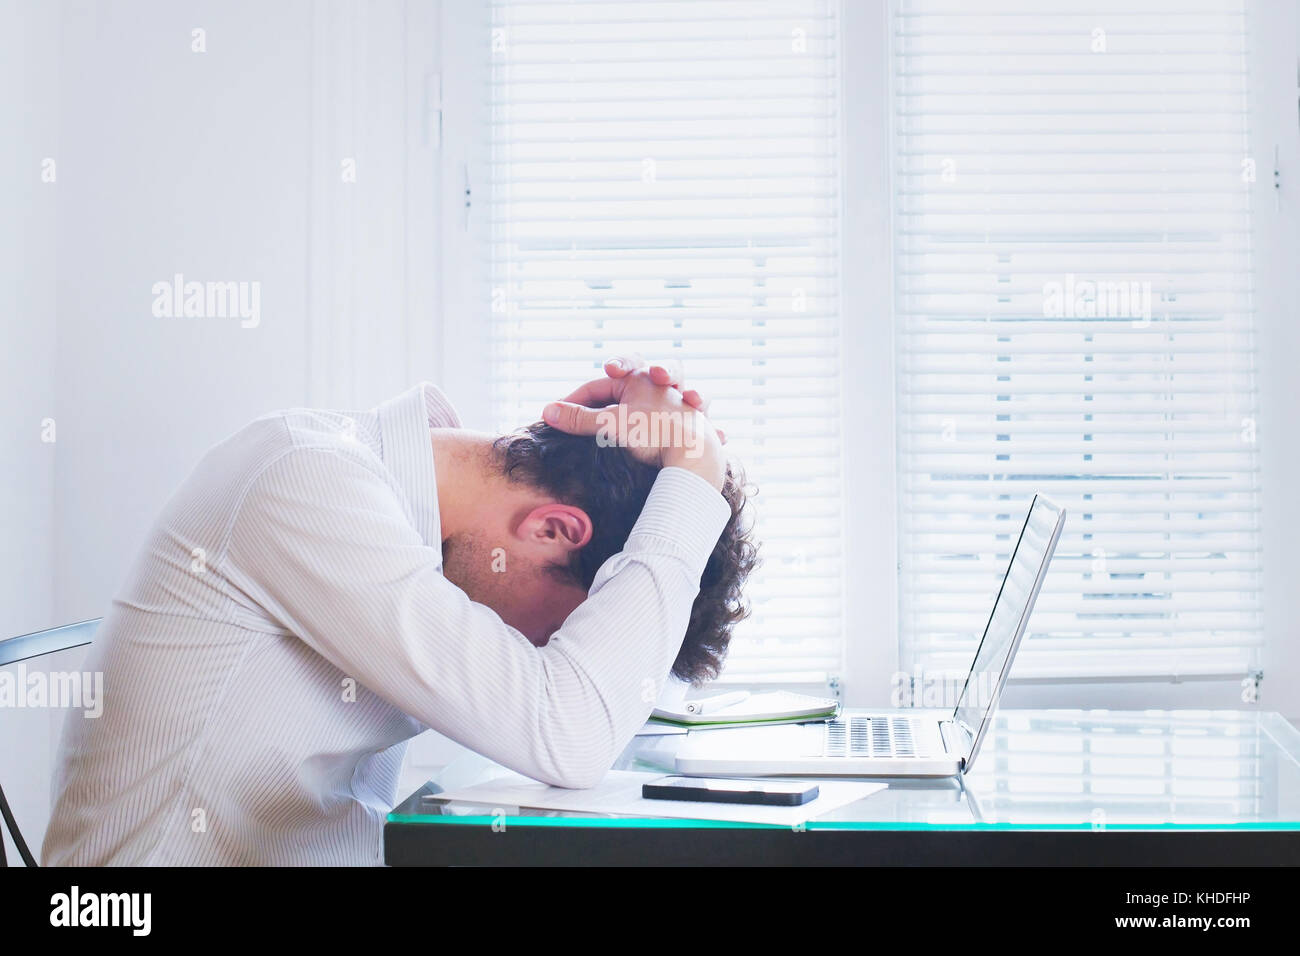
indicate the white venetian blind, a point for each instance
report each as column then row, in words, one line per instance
column 1074, row 316
column 664, row 181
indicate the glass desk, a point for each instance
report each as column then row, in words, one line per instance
column 1048, row 787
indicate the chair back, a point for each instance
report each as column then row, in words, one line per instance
column 40, row 643
column 22, row 648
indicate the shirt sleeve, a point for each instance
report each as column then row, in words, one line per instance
column 323, row 543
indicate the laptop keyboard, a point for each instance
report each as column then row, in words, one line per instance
column 870, row 737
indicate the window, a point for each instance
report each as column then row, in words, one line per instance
column 664, row 179
column 1074, row 316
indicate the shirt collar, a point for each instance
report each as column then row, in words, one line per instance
column 404, row 423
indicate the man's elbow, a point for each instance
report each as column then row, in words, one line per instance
column 580, row 763
column 574, row 774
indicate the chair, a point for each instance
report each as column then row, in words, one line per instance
column 25, row 647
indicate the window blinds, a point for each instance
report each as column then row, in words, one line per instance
column 1074, row 316
column 664, row 181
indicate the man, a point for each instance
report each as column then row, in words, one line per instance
column 326, row 586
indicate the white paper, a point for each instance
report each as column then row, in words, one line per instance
column 651, row 729
column 620, row 793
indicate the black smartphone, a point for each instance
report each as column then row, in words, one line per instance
column 780, row 793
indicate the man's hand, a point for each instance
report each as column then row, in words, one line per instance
column 642, row 410
column 602, row 392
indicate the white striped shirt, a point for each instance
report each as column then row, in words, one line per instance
column 287, row 628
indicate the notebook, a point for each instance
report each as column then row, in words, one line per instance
column 742, row 709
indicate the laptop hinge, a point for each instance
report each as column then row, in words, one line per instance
column 957, row 740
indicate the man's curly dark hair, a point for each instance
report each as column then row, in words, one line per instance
column 611, row 487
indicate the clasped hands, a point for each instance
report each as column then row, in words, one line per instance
column 647, row 410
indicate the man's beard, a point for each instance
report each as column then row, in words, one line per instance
column 467, row 563
column 520, row 591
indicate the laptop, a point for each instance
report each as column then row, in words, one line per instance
column 892, row 743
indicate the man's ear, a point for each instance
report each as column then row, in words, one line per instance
column 556, row 525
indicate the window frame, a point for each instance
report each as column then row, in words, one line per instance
column 872, row 651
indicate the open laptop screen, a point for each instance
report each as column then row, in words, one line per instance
column 1012, row 607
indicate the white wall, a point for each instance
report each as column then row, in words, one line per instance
column 28, row 42
column 174, row 161
column 27, row 287
column 222, row 165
